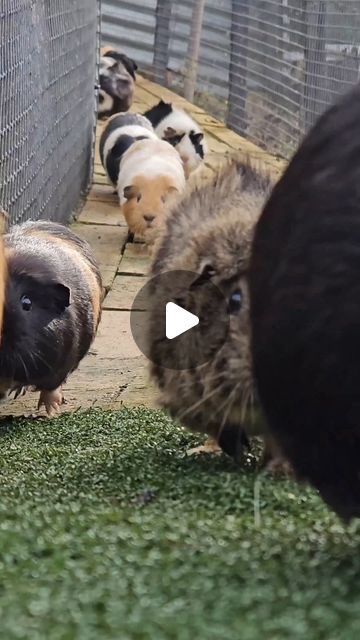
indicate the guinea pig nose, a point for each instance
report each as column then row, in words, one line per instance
column 149, row 218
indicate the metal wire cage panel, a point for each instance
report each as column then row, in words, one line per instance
column 47, row 105
column 267, row 68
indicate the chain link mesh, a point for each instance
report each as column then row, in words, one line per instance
column 47, row 105
column 267, row 68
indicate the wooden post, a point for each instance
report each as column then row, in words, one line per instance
column 315, row 62
column 161, row 40
column 193, row 49
column 236, row 115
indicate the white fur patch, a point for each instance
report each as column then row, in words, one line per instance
column 133, row 130
column 107, row 103
column 181, row 122
column 151, row 158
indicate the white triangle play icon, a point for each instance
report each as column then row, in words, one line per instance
column 178, row 320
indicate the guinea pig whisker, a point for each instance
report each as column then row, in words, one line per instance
column 200, row 402
column 228, row 403
column 23, row 365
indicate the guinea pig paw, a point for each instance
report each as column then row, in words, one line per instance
column 209, row 446
column 52, row 401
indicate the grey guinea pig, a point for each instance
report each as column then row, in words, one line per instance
column 117, row 82
column 52, row 309
column 209, row 233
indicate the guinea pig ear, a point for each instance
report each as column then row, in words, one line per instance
column 131, row 192
column 207, row 271
column 196, row 137
column 61, row 295
column 129, row 65
column 169, row 133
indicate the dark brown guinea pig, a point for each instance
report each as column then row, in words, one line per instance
column 52, row 309
column 305, row 308
column 208, row 235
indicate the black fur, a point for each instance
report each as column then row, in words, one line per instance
column 196, row 140
column 123, row 142
column 42, row 344
column 117, row 122
column 128, row 63
column 157, row 113
column 305, row 308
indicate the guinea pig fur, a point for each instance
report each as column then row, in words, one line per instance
column 120, row 133
column 151, row 175
column 117, row 82
column 305, row 308
column 52, row 308
column 181, row 131
column 209, row 233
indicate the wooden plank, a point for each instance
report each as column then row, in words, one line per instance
column 98, row 212
column 123, row 292
column 107, row 243
column 102, row 193
column 135, row 260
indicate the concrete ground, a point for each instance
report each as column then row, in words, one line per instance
column 115, row 372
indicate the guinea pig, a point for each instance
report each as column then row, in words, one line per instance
column 208, row 234
column 52, row 309
column 117, row 82
column 305, row 308
column 181, row 131
column 120, row 133
column 151, row 175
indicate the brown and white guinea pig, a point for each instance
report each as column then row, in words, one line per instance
column 208, row 234
column 117, row 82
column 181, row 131
column 148, row 172
column 52, row 309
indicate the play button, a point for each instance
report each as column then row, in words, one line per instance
column 178, row 320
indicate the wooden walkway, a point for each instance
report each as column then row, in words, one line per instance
column 115, row 372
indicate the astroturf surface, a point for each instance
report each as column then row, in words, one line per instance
column 109, row 530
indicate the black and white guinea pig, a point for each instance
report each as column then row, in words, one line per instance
column 117, row 82
column 120, row 133
column 52, row 309
column 179, row 129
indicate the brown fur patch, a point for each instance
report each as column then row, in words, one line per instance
column 157, row 194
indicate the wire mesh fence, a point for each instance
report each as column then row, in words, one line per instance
column 47, row 105
column 267, row 68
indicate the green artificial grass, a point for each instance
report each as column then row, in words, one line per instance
column 108, row 530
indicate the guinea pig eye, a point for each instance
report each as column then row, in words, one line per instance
column 26, row 303
column 138, row 198
column 235, row 302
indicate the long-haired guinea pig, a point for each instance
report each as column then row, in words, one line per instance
column 117, row 82
column 120, row 133
column 208, row 234
column 305, row 308
column 181, row 131
column 52, row 309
